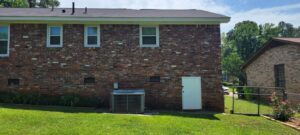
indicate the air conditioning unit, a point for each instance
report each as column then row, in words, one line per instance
column 128, row 101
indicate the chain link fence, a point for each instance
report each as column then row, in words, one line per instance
column 253, row 100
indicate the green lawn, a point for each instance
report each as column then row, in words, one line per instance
column 245, row 107
column 36, row 120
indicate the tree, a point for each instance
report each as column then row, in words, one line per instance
column 245, row 36
column 48, row 3
column 20, row 4
column 267, row 31
column 32, row 3
column 232, row 65
column 297, row 32
column 28, row 3
column 286, row 29
column 14, row 3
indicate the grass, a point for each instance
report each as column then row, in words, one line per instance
column 246, row 107
column 36, row 120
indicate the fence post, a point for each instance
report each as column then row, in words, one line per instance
column 258, row 101
column 232, row 111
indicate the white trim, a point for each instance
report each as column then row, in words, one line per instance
column 157, row 36
column 86, row 36
column 8, row 40
column 61, row 36
column 123, row 20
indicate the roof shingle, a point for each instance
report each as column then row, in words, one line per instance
column 93, row 12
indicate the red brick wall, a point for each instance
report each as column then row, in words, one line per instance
column 185, row 50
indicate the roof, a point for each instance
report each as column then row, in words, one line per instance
column 42, row 13
column 274, row 42
column 288, row 40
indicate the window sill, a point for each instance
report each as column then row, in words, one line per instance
column 4, row 56
column 52, row 46
column 92, row 46
column 149, row 46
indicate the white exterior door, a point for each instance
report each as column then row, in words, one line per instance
column 191, row 93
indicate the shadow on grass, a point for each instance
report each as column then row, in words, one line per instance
column 64, row 109
column 246, row 114
column 200, row 115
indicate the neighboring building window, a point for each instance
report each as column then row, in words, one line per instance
column 149, row 36
column 13, row 82
column 89, row 80
column 4, row 41
column 55, row 36
column 279, row 75
column 154, row 79
column 92, row 36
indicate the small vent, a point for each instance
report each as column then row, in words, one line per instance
column 13, row 82
column 154, row 79
column 89, row 80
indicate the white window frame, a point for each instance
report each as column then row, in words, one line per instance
column 157, row 36
column 86, row 36
column 8, row 41
column 61, row 36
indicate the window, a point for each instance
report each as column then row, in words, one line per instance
column 4, row 41
column 154, row 79
column 279, row 75
column 92, row 36
column 89, row 80
column 149, row 36
column 54, row 36
column 13, row 82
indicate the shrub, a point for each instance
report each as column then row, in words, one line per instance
column 281, row 108
column 298, row 108
column 248, row 93
column 36, row 98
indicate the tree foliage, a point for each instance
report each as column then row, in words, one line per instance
column 245, row 38
column 267, row 31
column 231, row 65
column 28, row 3
column 48, row 3
column 14, row 3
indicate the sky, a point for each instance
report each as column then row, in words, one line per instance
column 260, row 11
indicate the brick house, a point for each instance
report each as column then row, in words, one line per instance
column 277, row 64
column 53, row 51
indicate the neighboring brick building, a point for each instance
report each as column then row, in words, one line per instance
column 277, row 64
column 52, row 52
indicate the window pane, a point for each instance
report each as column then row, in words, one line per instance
column 279, row 75
column 3, row 32
column 92, row 30
column 54, row 40
column 3, row 47
column 149, row 40
column 55, row 31
column 92, row 40
column 149, row 31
